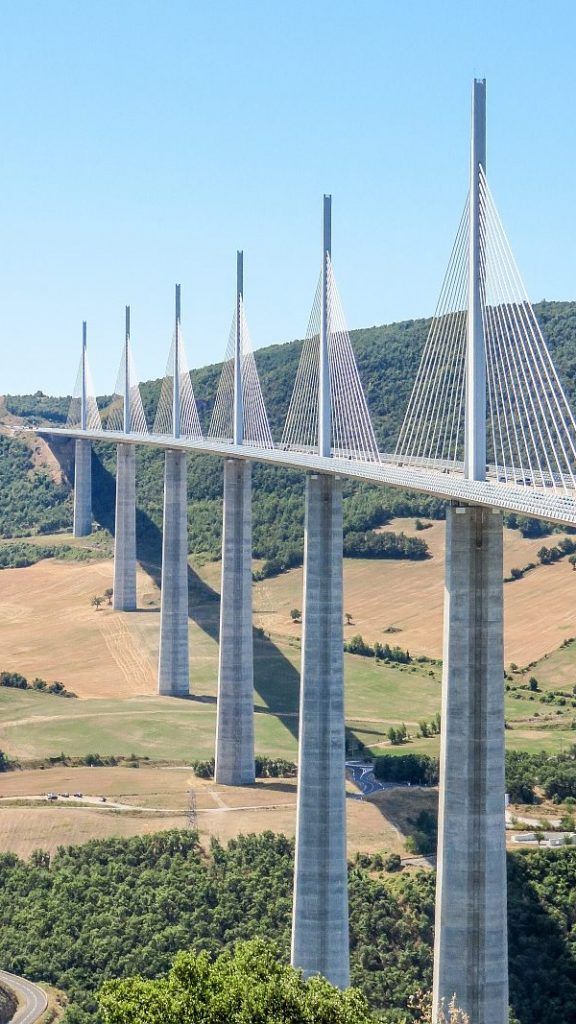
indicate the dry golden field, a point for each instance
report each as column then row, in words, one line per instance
column 48, row 627
column 150, row 799
column 540, row 610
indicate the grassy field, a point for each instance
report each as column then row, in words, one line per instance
column 48, row 628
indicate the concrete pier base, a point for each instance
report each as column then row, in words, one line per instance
column 82, row 488
column 235, row 719
column 173, row 672
column 124, row 597
column 470, row 955
column 320, row 943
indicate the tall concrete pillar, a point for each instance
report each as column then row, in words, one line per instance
column 173, row 672
column 320, row 942
column 82, row 488
column 124, row 597
column 235, row 721
column 470, row 955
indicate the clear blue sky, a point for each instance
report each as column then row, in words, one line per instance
column 144, row 141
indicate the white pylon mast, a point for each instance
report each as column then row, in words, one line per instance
column 238, row 432
column 475, row 432
column 127, row 416
column 176, row 371
column 324, row 400
column 83, row 402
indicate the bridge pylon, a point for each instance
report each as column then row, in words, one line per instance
column 470, row 953
column 234, row 753
column 320, row 942
column 127, row 415
column 176, row 410
column 84, row 414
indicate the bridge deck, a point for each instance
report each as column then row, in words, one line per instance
column 450, row 485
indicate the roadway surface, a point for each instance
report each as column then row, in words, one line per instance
column 549, row 502
column 33, row 1001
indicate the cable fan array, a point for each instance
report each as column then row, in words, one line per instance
column 531, row 431
column 352, row 432
column 432, row 430
column 256, row 428
column 189, row 425
column 127, row 381
column 84, row 385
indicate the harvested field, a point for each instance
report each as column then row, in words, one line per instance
column 49, row 628
column 408, row 597
column 162, row 796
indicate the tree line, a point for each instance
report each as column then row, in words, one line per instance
column 118, row 908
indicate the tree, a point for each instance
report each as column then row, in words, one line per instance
column 96, row 602
column 533, row 684
column 250, row 983
column 398, row 735
column 348, row 618
column 108, row 594
column 295, row 614
column 4, row 763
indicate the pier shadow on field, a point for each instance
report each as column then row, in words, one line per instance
column 276, row 679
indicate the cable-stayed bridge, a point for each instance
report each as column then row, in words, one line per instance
column 488, row 427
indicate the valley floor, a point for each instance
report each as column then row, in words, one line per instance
column 49, row 628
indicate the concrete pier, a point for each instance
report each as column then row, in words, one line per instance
column 320, row 943
column 470, row 955
column 82, row 489
column 124, row 597
column 173, row 672
column 235, row 722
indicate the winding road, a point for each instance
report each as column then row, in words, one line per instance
column 33, row 1000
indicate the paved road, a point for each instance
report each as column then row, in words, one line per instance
column 362, row 775
column 33, row 1000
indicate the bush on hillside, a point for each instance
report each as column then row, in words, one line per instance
column 249, row 983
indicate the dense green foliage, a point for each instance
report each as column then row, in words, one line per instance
column 384, row 545
column 30, row 500
column 17, row 681
column 39, row 407
column 554, row 774
column 264, row 768
column 18, row 554
column 417, row 769
column 8, row 1005
column 118, row 908
column 382, row 652
column 248, row 984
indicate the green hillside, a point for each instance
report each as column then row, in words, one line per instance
column 387, row 357
column 115, row 908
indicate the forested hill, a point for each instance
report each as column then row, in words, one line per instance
column 387, row 357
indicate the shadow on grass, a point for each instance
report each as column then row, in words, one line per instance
column 276, row 679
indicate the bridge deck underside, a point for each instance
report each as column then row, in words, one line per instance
column 446, row 483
